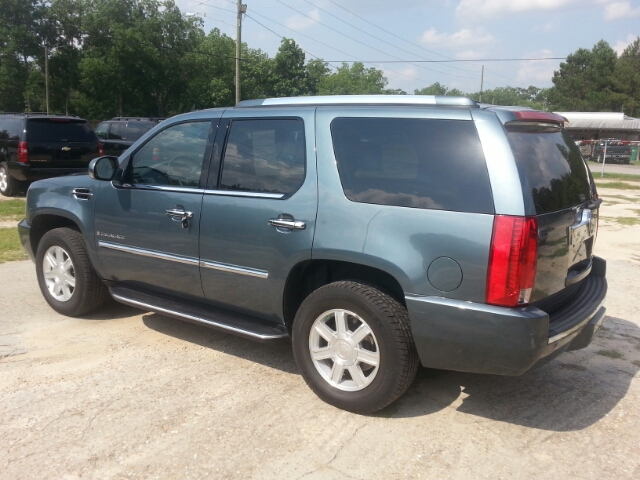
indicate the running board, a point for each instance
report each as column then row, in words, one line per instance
column 223, row 320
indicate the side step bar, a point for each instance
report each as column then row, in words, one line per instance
column 226, row 321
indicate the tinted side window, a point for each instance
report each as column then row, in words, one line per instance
column 173, row 157
column 102, row 130
column 11, row 128
column 116, row 132
column 419, row 163
column 59, row 130
column 264, row 156
column 136, row 130
column 550, row 167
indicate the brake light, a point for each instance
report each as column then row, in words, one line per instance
column 100, row 150
column 23, row 152
column 512, row 260
column 534, row 116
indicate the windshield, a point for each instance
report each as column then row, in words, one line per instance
column 59, row 130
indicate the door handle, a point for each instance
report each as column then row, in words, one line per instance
column 288, row 223
column 179, row 214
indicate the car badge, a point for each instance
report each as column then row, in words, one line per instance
column 66, row 149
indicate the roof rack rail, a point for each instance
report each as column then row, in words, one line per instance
column 140, row 119
column 419, row 100
column 39, row 114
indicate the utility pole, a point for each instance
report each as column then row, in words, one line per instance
column 241, row 9
column 481, row 82
column 46, row 76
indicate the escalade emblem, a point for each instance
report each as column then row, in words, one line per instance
column 110, row 235
column 66, row 149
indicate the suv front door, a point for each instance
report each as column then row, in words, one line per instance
column 258, row 214
column 147, row 228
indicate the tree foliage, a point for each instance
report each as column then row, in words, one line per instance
column 146, row 58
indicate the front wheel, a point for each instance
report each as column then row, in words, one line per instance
column 354, row 347
column 65, row 275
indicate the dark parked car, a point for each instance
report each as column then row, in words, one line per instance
column 119, row 133
column 617, row 151
column 37, row 146
column 377, row 232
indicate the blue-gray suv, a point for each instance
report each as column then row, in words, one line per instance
column 377, row 232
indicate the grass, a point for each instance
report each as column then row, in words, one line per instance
column 630, row 177
column 620, row 197
column 626, row 221
column 11, row 210
column 10, row 246
column 602, row 183
column 610, row 353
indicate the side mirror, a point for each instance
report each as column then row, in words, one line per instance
column 103, row 168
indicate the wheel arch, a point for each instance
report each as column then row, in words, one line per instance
column 46, row 221
column 309, row 275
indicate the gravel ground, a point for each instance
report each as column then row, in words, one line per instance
column 129, row 394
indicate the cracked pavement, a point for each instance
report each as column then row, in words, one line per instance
column 129, row 394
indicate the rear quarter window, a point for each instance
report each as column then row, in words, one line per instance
column 59, row 130
column 416, row 163
column 550, row 166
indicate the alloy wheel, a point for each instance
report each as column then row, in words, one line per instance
column 59, row 273
column 344, row 350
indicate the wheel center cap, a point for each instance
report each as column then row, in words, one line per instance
column 344, row 351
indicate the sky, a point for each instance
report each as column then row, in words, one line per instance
column 388, row 34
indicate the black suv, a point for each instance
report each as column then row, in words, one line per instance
column 35, row 146
column 119, row 133
column 617, row 151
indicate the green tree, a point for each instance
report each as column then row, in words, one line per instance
column 20, row 40
column 586, row 81
column 353, row 80
column 316, row 70
column 289, row 74
column 627, row 77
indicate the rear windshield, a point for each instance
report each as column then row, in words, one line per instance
column 550, row 167
column 410, row 162
column 59, row 130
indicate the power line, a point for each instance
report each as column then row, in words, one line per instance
column 402, row 39
column 351, row 38
column 313, row 39
column 452, row 60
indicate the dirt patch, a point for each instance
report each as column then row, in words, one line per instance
column 128, row 394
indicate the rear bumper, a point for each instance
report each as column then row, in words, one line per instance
column 27, row 173
column 473, row 337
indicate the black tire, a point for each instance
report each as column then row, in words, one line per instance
column 89, row 292
column 8, row 184
column 389, row 322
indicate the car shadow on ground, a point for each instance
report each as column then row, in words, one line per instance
column 276, row 354
column 112, row 311
column 570, row 393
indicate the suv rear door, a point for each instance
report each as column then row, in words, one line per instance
column 60, row 142
column 558, row 187
column 258, row 214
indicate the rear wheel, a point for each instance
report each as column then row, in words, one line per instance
column 8, row 184
column 354, row 347
column 65, row 275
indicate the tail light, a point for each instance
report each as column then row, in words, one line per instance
column 23, row 152
column 100, row 150
column 512, row 260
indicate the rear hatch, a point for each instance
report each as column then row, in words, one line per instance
column 60, row 142
column 558, row 187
